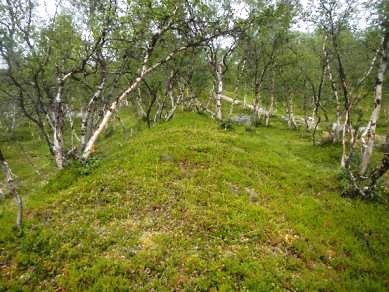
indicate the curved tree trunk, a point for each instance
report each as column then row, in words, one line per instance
column 369, row 135
column 107, row 117
column 86, row 125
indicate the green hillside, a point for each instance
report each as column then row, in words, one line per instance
column 187, row 205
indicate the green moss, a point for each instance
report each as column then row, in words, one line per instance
column 134, row 220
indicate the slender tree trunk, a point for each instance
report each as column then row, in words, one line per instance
column 69, row 114
column 305, row 108
column 169, row 89
column 257, row 101
column 170, row 114
column 369, row 135
column 11, row 184
column 141, row 111
column 318, row 97
column 86, row 124
column 337, row 127
column 13, row 124
column 380, row 170
column 291, row 120
column 314, row 111
column 158, row 112
column 218, row 90
column 269, row 113
column 170, row 94
column 347, row 136
column 107, row 116
column 57, row 120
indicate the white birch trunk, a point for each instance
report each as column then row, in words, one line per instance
column 347, row 138
column 369, row 135
column 170, row 93
column 142, row 113
column 13, row 124
column 218, row 90
column 269, row 113
column 57, row 125
column 108, row 114
column 69, row 114
column 159, row 110
column 337, row 127
column 257, row 102
column 175, row 103
column 291, row 120
column 85, row 120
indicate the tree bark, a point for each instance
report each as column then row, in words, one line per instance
column 57, row 123
column 291, row 120
column 85, row 121
column 337, row 126
column 347, row 137
column 369, row 134
column 317, row 97
column 218, row 90
column 108, row 114
column 174, row 102
column 269, row 113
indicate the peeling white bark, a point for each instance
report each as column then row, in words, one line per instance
column 86, row 125
column 368, row 136
column 57, row 123
column 218, row 90
column 141, row 110
column 291, row 119
column 174, row 102
column 347, row 138
column 108, row 114
column 337, row 129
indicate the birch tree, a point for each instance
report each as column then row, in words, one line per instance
column 42, row 65
column 335, row 20
column 166, row 19
column 103, row 62
column 368, row 136
column 217, row 59
column 261, row 44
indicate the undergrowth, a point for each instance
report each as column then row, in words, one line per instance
column 188, row 205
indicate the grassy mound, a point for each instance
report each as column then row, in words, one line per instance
column 188, row 205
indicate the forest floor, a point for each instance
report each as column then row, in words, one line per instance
column 188, row 205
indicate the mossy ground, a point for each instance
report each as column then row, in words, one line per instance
column 187, row 205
